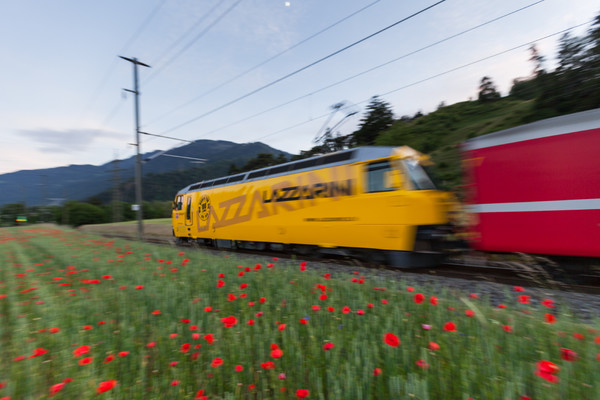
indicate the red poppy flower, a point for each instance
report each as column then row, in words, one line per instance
column 524, row 299
column 377, row 372
column 550, row 318
column 346, row 310
column 302, row 393
column 185, row 347
column 419, row 297
column 433, row 300
column 276, row 353
column 216, row 362
column 268, row 365
column 106, row 386
column 86, row 361
column 469, row 313
column 507, row 328
column 138, row 287
column 578, row 336
column 208, row 309
column 518, row 289
column 548, row 303
column 56, row 388
column 450, row 326
column 250, row 322
column 433, row 346
column 151, row 344
column 316, row 308
column 304, row 321
column 81, row 350
column 547, row 370
column 239, row 368
column 568, row 355
column 322, row 297
column 410, row 289
column 422, row 364
column 243, row 286
column 262, row 300
column 391, row 339
column 229, row 322
column 281, row 327
column 330, row 309
column 108, row 359
column 220, row 283
column 474, row 295
column 209, row 338
column 328, row 346
column 88, row 327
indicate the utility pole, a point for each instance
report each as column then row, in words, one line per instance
column 138, row 159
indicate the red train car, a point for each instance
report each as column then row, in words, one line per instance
column 536, row 188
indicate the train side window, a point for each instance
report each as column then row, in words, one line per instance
column 378, row 177
column 179, row 203
column 188, row 210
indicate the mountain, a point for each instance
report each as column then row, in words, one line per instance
column 79, row 182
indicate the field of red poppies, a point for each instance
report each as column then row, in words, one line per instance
column 87, row 317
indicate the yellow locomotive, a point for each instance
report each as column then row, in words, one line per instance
column 368, row 202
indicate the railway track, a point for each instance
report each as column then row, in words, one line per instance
column 515, row 273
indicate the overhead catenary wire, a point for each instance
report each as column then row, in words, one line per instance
column 446, row 72
column 371, row 69
column 253, row 68
column 115, row 62
column 194, row 40
column 176, row 42
column 303, row 68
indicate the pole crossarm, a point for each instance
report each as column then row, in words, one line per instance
column 167, row 137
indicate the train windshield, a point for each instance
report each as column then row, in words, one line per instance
column 418, row 176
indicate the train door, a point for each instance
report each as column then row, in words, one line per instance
column 188, row 210
column 178, row 216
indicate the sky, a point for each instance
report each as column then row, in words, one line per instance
column 248, row 70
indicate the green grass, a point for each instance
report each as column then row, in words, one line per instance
column 85, row 281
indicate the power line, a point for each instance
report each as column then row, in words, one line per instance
column 264, row 62
column 303, row 68
column 371, row 69
column 196, row 38
column 112, row 67
column 192, row 28
column 435, row 76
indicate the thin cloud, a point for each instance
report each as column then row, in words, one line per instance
column 66, row 141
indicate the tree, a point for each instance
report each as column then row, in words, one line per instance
column 538, row 61
column 378, row 118
column 570, row 53
column 487, row 90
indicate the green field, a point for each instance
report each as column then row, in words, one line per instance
column 88, row 317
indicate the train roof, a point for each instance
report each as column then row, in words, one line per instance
column 357, row 154
column 576, row 122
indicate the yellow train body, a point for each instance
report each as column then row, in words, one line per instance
column 364, row 198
